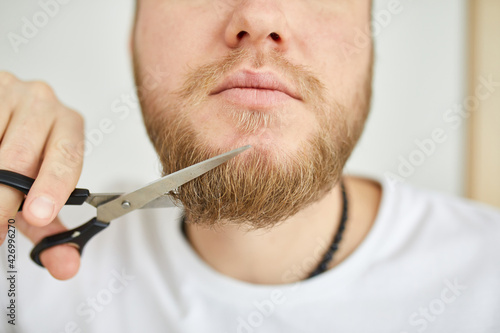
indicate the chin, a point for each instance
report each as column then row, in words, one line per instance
column 269, row 134
column 266, row 144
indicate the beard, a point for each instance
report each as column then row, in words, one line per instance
column 267, row 184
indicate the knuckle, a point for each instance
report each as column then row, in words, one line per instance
column 61, row 172
column 77, row 118
column 60, row 176
column 41, row 90
column 71, row 152
column 7, row 79
column 18, row 157
column 3, row 213
column 6, row 213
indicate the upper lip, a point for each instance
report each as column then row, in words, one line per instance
column 252, row 80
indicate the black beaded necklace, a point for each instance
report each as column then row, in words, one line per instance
column 328, row 256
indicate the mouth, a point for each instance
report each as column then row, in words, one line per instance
column 257, row 90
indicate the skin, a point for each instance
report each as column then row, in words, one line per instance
column 212, row 31
column 314, row 34
column 51, row 152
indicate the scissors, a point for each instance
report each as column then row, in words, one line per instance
column 113, row 205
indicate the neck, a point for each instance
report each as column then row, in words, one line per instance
column 290, row 251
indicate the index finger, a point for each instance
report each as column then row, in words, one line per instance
column 59, row 171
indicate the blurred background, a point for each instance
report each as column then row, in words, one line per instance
column 426, row 126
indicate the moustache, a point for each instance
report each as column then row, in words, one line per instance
column 202, row 80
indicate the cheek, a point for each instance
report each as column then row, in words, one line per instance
column 167, row 42
column 341, row 48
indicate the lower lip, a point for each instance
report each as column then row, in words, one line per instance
column 255, row 97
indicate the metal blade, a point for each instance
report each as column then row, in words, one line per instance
column 98, row 199
column 140, row 197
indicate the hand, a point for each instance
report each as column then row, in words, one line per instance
column 41, row 139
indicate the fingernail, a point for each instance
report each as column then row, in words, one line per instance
column 42, row 208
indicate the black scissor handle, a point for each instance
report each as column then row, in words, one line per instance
column 16, row 180
column 23, row 184
column 78, row 236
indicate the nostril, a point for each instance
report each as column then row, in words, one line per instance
column 275, row 36
column 241, row 34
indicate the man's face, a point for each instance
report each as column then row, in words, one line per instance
column 283, row 76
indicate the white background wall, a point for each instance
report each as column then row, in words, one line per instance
column 420, row 73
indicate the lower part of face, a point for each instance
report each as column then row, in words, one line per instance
column 299, row 145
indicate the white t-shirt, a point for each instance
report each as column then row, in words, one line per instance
column 431, row 263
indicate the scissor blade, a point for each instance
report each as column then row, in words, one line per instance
column 98, row 199
column 140, row 197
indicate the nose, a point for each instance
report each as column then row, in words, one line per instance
column 261, row 23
